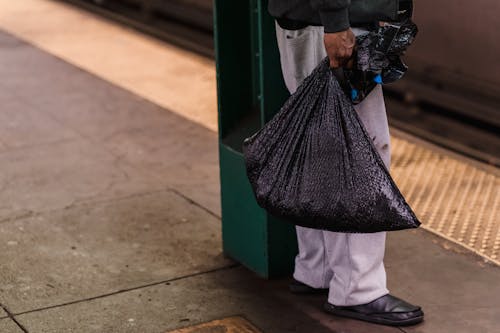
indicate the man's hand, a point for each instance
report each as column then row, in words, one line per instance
column 339, row 47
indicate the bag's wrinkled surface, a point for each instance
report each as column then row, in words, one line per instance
column 315, row 165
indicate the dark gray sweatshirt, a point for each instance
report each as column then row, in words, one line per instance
column 338, row 15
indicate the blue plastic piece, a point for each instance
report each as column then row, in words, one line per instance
column 354, row 94
column 378, row 79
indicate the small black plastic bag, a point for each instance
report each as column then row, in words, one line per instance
column 314, row 164
column 378, row 58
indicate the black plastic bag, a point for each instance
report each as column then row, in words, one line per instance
column 378, row 58
column 314, row 164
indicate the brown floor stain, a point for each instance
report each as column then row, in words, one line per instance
column 226, row 325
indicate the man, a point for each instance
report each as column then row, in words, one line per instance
column 349, row 265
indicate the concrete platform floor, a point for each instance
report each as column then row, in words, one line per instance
column 173, row 78
column 109, row 221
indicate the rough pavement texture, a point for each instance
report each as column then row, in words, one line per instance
column 8, row 326
column 108, row 223
column 93, row 249
column 3, row 314
column 119, row 128
column 456, row 288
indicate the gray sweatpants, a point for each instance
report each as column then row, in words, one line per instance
column 351, row 265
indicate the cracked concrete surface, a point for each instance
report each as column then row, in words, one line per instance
column 54, row 176
column 193, row 300
column 93, row 249
column 3, row 314
column 8, row 326
column 94, row 112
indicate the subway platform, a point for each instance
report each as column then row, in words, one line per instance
column 109, row 191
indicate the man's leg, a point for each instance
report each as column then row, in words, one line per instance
column 357, row 259
column 358, row 288
column 300, row 52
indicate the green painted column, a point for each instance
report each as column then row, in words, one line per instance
column 250, row 91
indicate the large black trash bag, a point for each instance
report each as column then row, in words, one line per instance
column 315, row 165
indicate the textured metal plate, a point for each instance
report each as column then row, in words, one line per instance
column 226, row 325
column 455, row 198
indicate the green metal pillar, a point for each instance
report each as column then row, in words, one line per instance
column 250, row 91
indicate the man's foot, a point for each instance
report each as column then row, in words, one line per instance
column 297, row 287
column 385, row 310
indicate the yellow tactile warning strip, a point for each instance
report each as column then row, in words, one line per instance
column 226, row 325
column 453, row 198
